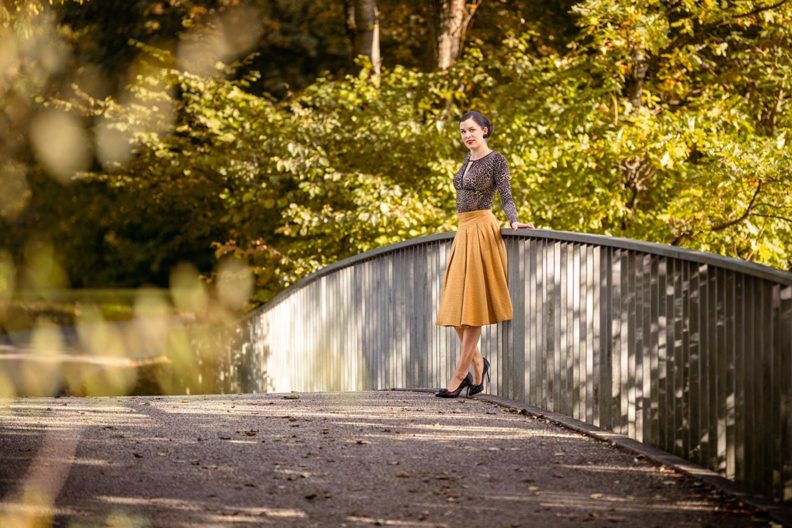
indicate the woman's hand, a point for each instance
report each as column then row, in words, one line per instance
column 520, row 225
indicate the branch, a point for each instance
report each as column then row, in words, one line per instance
column 742, row 216
column 777, row 217
column 681, row 237
column 760, row 9
column 772, row 206
column 682, row 39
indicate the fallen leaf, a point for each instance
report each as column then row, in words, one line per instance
column 292, row 397
column 596, row 495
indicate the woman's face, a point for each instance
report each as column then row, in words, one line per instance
column 472, row 134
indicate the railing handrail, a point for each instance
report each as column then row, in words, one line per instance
column 742, row 266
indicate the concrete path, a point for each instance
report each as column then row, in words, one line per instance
column 356, row 459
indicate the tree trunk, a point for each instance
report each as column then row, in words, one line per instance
column 349, row 20
column 636, row 80
column 362, row 24
column 452, row 21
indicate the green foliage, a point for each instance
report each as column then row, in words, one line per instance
column 293, row 186
column 699, row 161
column 662, row 122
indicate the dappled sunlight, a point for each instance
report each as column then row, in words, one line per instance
column 135, row 140
column 236, row 514
column 28, row 416
column 282, row 513
column 376, row 521
column 463, row 431
column 603, row 468
column 290, row 455
column 208, row 513
column 174, row 504
column 605, row 502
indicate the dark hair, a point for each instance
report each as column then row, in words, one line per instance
column 480, row 120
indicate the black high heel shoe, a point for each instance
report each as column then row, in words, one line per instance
column 445, row 393
column 475, row 389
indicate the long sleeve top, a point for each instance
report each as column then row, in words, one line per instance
column 475, row 183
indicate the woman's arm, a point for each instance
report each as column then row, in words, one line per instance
column 503, row 182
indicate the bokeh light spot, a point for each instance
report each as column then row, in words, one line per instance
column 60, row 144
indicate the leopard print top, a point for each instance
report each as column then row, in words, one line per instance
column 475, row 183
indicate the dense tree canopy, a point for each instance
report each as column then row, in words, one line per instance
column 195, row 133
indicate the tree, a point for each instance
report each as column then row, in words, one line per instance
column 675, row 144
column 452, row 21
column 685, row 143
column 362, row 22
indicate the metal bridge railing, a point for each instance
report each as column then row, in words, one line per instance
column 686, row 351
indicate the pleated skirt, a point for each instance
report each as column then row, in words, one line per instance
column 475, row 291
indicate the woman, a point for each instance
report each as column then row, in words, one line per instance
column 475, row 291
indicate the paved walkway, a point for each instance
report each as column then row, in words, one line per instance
column 357, row 459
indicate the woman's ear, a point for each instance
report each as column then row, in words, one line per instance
column 486, row 131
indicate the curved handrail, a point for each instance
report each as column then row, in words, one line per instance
column 730, row 263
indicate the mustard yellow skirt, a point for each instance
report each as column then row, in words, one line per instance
column 475, row 291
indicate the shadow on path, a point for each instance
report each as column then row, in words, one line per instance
column 349, row 459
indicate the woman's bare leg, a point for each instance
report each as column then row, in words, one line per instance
column 477, row 364
column 469, row 356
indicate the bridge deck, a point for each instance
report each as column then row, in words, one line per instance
column 355, row 459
